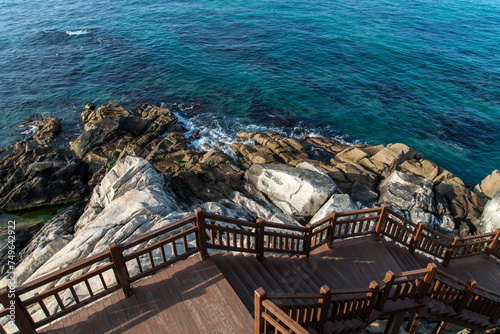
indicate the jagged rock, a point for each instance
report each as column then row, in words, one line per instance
column 47, row 128
column 106, row 131
column 407, row 192
column 363, row 194
column 262, row 209
column 54, row 235
column 387, row 159
column 51, row 179
column 418, row 215
column 355, row 172
column 424, row 168
column 296, row 191
column 339, row 203
column 161, row 119
column 490, row 219
column 91, row 117
column 329, row 145
column 352, row 154
column 129, row 197
column 489, row 185
column 461, row 202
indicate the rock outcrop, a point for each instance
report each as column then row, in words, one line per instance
column 296, row 191
column 57, row 177
column 487, row 188
column 127, row 201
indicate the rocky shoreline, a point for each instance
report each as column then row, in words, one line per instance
column 130, row 172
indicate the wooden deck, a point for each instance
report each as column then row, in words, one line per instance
column 197, row 296
column 216, row 295
column 189, row 297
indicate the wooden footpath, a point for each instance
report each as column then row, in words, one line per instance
column 189, row 297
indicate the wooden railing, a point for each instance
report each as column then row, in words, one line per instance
column 120, row 265
column 393, row 289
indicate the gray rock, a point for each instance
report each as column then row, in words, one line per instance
column 262, row 209
column 407, row 192
column 363, row 194
column 296, row 191
column 338, row 203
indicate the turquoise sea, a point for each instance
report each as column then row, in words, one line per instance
column 422, row 72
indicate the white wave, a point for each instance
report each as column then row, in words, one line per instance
column 77, row 32
column 30, row 130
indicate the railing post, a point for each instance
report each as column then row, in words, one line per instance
column 372, row 299
column 493, row 244
column 417, row 238
column 23, row 321
column 331, row 230
column 201, row 233
column 388, row 281
column 325, row 306
column 307, row 240
column 427, row 282
column 461, row 303
column 120, row 269
column 380, row 222
column 259, row 242
column 449, row 252
column 259, row 296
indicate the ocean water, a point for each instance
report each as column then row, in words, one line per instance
column 421, row 72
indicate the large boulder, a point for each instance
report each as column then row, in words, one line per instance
column 407, row 191
column 490, row 219
column 296, row 191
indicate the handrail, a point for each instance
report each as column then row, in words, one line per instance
column 263, row 236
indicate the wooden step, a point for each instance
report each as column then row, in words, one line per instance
column 236, row 282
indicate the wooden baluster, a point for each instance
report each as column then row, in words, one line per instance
column 417, row 238
column 259, row 296
column 380, row 222
column 331, row 229
column 493, row 245
column 427, row 282
column 120, row 268
column 259, row 242
column 449, row 252
column 22, row 318
column 307, row 241
column 325, row 306
column 201, row 233
column 464, row 298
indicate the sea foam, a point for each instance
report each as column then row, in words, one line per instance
column 77, row 32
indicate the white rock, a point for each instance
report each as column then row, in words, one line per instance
column 490, row 219
column 296, row 191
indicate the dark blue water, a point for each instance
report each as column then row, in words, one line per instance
column 425, row 73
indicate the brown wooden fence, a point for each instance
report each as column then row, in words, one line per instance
column 120, row 265
column 388, row 296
